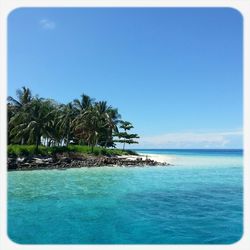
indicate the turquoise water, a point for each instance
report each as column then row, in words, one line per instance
column 196, row 201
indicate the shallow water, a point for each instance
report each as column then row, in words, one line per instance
column 196, row 201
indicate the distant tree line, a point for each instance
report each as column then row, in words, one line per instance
column 34, row 121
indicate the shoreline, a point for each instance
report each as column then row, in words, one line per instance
column 62, row 162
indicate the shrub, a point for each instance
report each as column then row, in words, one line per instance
column 30, row 150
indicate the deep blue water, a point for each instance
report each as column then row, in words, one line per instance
column 196, row 201
column 194, row 152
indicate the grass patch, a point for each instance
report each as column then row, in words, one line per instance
column 30, row 150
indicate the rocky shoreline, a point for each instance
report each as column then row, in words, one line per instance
column 62, row 162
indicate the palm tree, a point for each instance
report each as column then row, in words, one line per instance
column 111, row 121
column 34, row 121
column 83, row 104
column 102, row 112
column 15, row 106
column 90, row 123
column 54, row 131
column 66, row 118
column 24, row 97
column 11, row 112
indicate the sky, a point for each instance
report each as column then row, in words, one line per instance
column 175, row 73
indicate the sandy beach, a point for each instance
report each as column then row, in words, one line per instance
column 154, row 157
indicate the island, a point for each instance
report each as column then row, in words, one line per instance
column 45, row 134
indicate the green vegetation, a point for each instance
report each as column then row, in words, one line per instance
column 39, row 125
column 31, row 150
column 125, row 137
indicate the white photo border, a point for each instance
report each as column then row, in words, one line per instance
column 7, row 6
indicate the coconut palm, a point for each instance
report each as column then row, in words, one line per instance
column 111, row 120
column 54, row 132
column 83, row 104
column 18, row 107
column 34, row 121
column 24, row 97
column 66, row 119
column 83, row 121
column 88, row 123
column 91, row 123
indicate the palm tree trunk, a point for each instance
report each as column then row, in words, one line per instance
column 37, row 142
column 109, row 137
column 67, row 142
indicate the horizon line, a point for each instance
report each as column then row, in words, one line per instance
column 186, row 148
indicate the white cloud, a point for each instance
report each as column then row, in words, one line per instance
column 47, row 24
column 226, row 139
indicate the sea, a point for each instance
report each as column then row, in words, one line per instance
column 196, row 200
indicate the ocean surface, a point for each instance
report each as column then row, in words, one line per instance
column 198, row 200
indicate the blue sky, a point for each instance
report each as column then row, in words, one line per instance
column 175, row 73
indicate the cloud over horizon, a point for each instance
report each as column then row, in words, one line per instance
column 226, row 139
